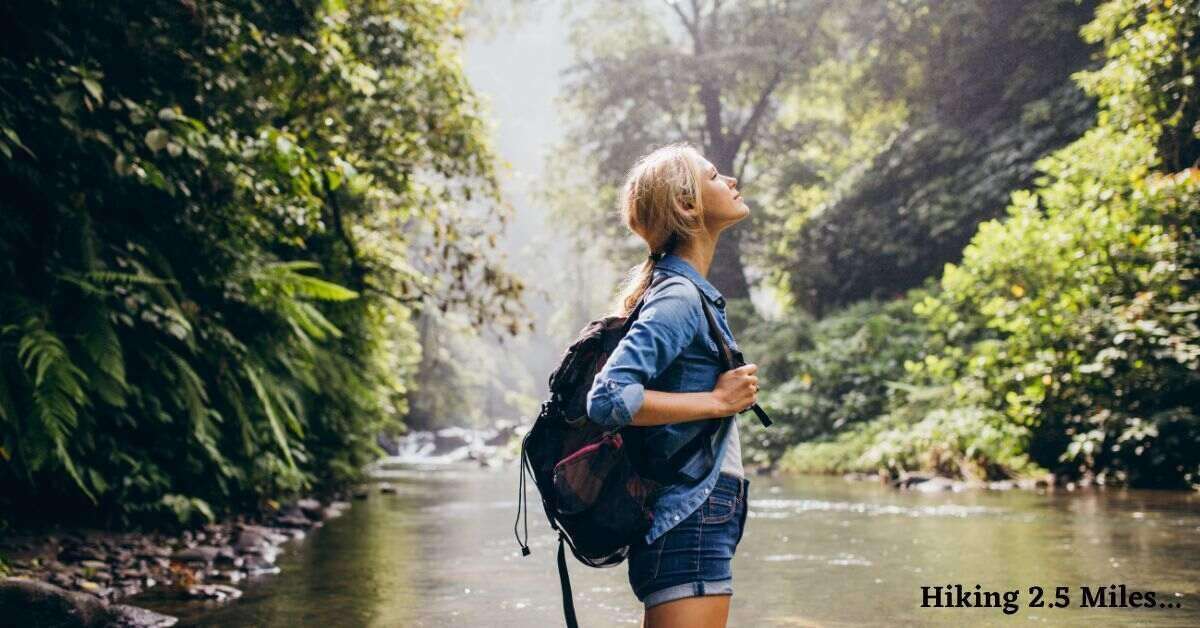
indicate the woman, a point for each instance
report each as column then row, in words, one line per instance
column 666, row 375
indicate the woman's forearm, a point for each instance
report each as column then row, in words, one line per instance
column 659, row 408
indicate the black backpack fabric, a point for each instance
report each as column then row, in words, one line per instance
column 597, row 489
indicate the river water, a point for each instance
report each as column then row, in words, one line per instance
column 817, row 552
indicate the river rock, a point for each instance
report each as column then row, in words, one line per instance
column 76, row 553
column 504, row 430
column 218, row 592
column 62, row 579
column 452, row 438
column 909, row 480
column 293, row 521
column 272, row 536
column 127, row 616
column 150, row 552
column 937, row 484
column 258, row 565
column 249, row 539
column 233, row 576
column 311, row 508
column 102, row 576
column 126, row 588
column 1030, row 484
column 386, row 488
column 34, row 603
column 361, row 492
column 200, row 554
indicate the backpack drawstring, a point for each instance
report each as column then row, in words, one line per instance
column 522, row 501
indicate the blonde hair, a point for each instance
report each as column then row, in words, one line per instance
column 656, row 191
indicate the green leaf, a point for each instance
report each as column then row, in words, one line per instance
column 157, row 139
column 94, row 89
column 269, row 411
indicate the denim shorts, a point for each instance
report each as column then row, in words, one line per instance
column 693, row 558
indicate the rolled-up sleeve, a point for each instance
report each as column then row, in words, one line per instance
column 668, row 322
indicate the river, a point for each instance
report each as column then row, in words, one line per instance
column 817, row 551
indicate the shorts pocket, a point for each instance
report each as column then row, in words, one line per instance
column 718, row 508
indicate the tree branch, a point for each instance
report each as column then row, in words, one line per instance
column 690, row 26
column 760, row 106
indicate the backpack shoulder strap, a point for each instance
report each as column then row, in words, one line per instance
column 727, row 356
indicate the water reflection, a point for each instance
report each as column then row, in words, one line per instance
column 817, row 552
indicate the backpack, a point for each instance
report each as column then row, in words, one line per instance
column 596, row 493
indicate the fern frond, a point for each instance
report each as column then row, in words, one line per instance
column 232, row 392
column 314, row 288
column 190, row 392
column 102, row 346
column 58, row 392
column 269, row 411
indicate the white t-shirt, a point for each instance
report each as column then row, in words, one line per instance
column 731, row 463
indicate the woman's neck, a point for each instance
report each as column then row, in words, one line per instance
column 699, row 253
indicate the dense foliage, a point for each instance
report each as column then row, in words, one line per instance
column 219, row 221
column 984, row 91
column 1067, row 338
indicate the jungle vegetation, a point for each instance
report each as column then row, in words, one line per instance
column 220, row 220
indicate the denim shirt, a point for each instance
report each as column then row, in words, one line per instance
column 668, row 348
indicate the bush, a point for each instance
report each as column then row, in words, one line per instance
column 831, row 373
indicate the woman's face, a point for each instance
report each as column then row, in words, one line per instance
column 723, row 204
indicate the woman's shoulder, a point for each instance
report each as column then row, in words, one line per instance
column 676, row 297
column 673, row 286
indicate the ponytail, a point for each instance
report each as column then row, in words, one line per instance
column 638, row 279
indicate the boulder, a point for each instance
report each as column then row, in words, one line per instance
column 452, row 438
column 35, row 603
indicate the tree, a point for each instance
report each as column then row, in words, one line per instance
column 709, row 72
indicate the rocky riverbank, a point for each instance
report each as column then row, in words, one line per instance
column 929, row 483
column 79, row 575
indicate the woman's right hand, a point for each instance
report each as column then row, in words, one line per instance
column 736, row 390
